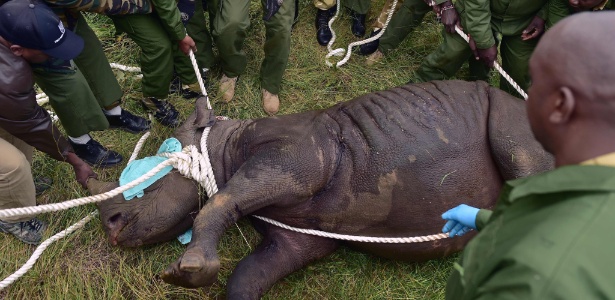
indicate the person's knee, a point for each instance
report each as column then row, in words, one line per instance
column 13, row 162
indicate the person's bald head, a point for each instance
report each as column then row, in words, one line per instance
column 573, row 80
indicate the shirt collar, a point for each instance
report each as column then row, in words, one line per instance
column 602, row 160
column 573, row 178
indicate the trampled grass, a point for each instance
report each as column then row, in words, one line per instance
column 85, row 266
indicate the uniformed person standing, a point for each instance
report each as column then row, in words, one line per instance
column 231, row 22
column 520, row 23
column 549, row 235
column 84, row 92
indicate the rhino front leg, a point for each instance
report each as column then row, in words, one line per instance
column 259, row 183
column 279, row 254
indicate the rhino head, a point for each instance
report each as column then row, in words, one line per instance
column 168, row 206
column 166, row 210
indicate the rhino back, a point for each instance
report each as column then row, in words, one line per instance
column 404, row 156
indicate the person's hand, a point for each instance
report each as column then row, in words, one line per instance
column 83, row 171
column 435, row 8
column 534, row 30
column 187, row 44
column 460, row 220
column 449, row 16
column 487, row 56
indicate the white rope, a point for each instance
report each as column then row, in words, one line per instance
column 364, row 239
column 348, row 52
column 39, row 250
column 125, row 68
column 497, row 66
column 199, row 78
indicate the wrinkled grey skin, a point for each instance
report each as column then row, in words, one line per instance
column 385, row 164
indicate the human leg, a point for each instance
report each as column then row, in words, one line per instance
column 515, row 54
column 94, row 66
column 204, row 56
column 17, row 189
column 277, row 50
column 446, row 60
column 156, row 62
column 325, row 10
column 230, row 29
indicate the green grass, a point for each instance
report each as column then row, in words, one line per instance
column 85, row 266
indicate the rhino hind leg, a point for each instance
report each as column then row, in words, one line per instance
column 516, row 153
column 290, row 251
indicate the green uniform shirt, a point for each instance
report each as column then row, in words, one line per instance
column 559, row 9
column 510, row 17
column 549, row 237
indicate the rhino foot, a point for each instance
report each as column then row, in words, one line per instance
column 192, row 270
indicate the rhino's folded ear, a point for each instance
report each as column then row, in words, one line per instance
column 204, row 117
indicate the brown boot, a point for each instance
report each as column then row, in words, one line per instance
column 271, row 102
column 227, row 87
column 374, row 58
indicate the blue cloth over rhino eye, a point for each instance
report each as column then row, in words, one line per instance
column 138, row 167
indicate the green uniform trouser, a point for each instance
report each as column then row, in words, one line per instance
column 409, row 16
column 16, row 183
column 205, row 58
column 454, row 51
column 447, row 59
column 160, row 54
column 78, row 93
column 230, row 26
column 359, row 6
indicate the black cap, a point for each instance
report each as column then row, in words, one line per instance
column 33, row 25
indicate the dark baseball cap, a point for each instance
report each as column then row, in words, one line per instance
column 32, row 24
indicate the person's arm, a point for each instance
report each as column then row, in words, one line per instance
column 482, row 218
column 477, row 22
column 558, row 9
column 23, row 118
column 171, row 21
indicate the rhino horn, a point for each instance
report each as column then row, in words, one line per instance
column 96, row 186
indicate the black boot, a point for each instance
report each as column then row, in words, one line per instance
column 128, row 122
column 186, row 93
column 371, row 47
column 323, row 32
column 164, row 112
column 96, row 155
column 41, row 184
column 358, row 23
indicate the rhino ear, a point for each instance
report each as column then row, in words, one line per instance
column 204, row 117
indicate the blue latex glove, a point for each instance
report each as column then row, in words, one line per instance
column 138, row 167
column 460, row 220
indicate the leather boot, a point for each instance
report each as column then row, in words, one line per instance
column 358, row 23
column 128, row 122
column 323, row 32
column 163, row 111
column 227, row 87
column 95, row 154
column 371, row 47
column 271, row 103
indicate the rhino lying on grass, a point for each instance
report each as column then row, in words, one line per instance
column 385, row 164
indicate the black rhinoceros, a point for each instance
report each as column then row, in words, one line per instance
column 386, row 164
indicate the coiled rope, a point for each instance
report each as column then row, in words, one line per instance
column 348, row 52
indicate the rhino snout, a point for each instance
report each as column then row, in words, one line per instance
column 114, row 225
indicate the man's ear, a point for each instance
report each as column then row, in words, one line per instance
column 17, row 50
column 563, row 106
